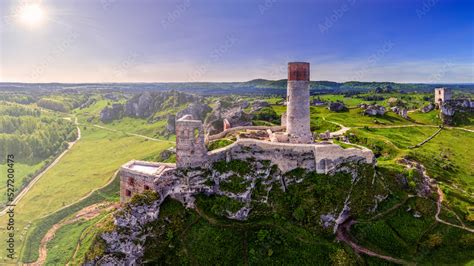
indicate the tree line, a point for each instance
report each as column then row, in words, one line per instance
column 33, row 139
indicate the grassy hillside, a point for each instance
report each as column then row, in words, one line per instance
column 287, row 227
column 287, row 233
column 89, row 165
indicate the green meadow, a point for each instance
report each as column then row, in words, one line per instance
column 23, row 172
column 87, row 166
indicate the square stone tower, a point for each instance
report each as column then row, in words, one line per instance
column 442, row 95
column 297, row 113
column 191, row 150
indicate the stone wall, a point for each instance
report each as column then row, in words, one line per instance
column 191, row 150
column 442, row 95
column 241, row 128
column 322, row 158
column 132, row 183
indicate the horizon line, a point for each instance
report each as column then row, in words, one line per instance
column 197, row 82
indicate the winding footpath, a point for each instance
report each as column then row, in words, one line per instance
column 87, row 213
column 342, row 234
column 343, row 229
column 37, row 177
column 438, row 211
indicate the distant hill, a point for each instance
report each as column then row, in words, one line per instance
column 256, row 86
column 356, row 85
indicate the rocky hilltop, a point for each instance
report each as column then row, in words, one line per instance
column 457, row 111
column 239, row 190
column 145, row 105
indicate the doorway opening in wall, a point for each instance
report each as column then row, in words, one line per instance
column 128, row 193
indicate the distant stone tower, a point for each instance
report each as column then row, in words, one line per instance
column 190, row 148
column 297, row 112
column 442, row 95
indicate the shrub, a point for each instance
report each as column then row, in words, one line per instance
column 235, row 184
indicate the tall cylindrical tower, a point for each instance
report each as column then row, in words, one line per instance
column 297, row 124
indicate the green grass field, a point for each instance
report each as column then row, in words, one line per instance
column 95, row 158
column 126, row 124
column 89, row 165
column 62, row 247
column 22, row 172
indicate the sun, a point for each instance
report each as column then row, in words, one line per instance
column 31, row 15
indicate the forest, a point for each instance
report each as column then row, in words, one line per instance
column 32, row 135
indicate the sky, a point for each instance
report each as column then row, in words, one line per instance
column 429, row 41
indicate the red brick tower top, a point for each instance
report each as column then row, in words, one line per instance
column 298, row 71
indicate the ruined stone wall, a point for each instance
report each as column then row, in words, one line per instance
column 321, row 158
column 298, row 119
column 132, row 183
column 241, row 128
column 442, row 95
column 191, row 150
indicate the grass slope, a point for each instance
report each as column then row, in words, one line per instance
column 89, row 165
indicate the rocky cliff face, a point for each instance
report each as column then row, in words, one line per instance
column 109, row 114
column 146, row 104
column 131, row 230
column 373, row 109
column 428, row 108
column 232, row 112
column 244, row 189
column 337, row 107
column 454, row 112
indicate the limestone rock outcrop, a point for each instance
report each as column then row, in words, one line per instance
column 146, row 104
column 197, row 110
column 373, row 109
column 428, row 108
column 233, row 113
column 257, row 105
column 337, row 107
column 109, row 114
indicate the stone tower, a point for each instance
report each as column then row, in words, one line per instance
column 190, row 148
column 442, row 95
column 297, row 113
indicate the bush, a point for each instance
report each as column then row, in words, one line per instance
column 220, row 143
column 235, row 184
column 267, row 114
column 145, row 198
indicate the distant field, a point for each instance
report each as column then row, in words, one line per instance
column 355, row 118
column 126, row 124
column 89, row 165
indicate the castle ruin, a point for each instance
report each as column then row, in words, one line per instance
column 442, row 95
column 297, row 112
column 288, row 146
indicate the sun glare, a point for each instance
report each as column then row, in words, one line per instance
column 31, row 15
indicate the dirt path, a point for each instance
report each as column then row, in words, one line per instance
column 340, row 132
column 133, row 134
column 439, row 202
column 342, row 234
column 86, row 214
column 37, row 177
column 438, row 211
